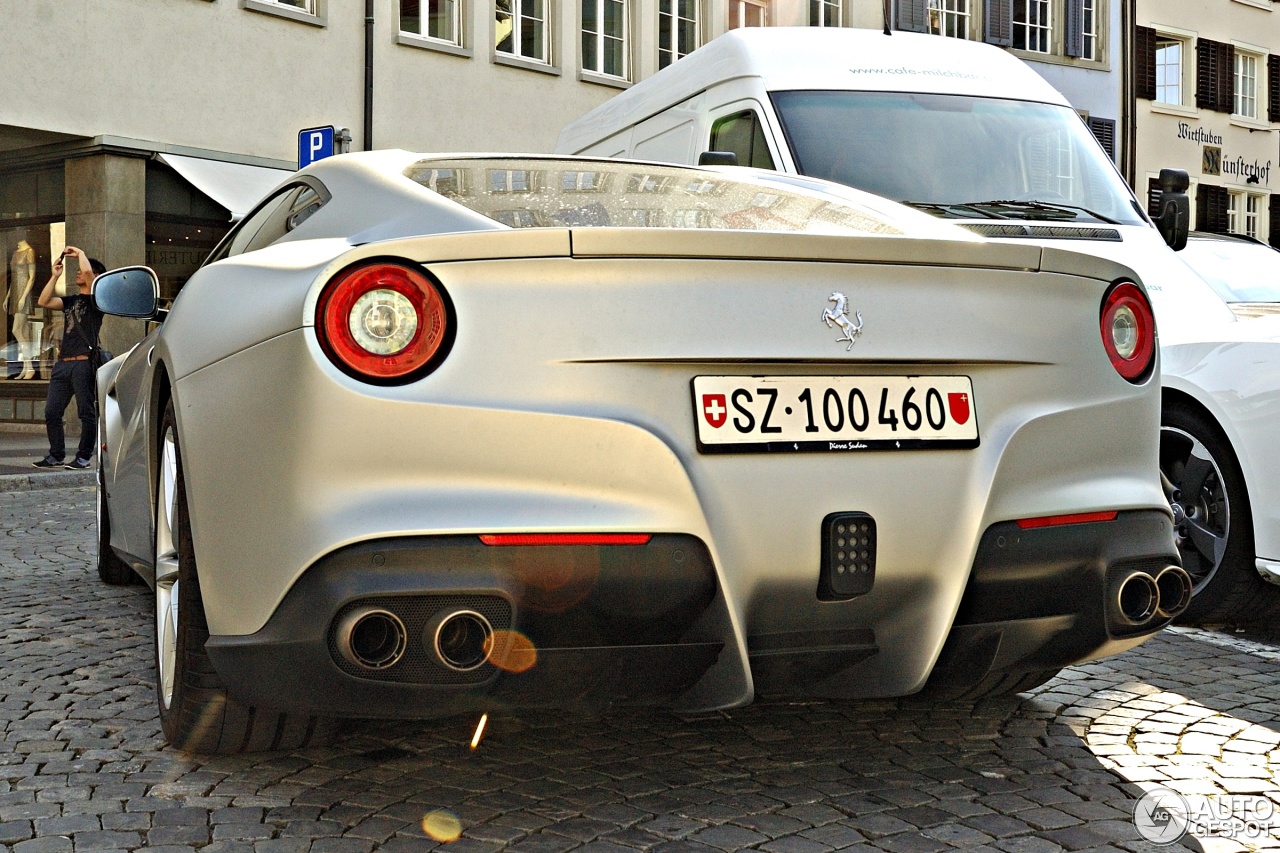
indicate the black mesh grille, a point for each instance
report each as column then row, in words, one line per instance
column 419, row 664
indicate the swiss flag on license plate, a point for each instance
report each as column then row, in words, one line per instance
column 714, row 409
column 958, row 403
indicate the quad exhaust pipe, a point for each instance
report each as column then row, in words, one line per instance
column 374, row 638
column 1142, row 597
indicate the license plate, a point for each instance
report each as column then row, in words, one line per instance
column 736, row 414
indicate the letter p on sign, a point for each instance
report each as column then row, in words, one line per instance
column 314, row 143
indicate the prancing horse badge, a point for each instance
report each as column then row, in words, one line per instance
column 839, row 316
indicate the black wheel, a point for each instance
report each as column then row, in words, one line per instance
column 196, row 713
column 111, row 569
column 1214, row 527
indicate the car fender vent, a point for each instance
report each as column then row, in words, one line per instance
column 1043, row 232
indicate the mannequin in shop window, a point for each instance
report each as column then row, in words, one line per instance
column 22, row 279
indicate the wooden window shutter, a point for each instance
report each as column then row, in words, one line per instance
column 1215, row 76
column 1211, row 208
column 1144, row 61
column 1273, row 87
column 1273, row 208
column 1153, row 197
column 998, row 22
column 1073, row 36
column 1104, row 130
column 913, row 15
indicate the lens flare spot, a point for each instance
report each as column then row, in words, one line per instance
column 475, row 738
column 442, row 825
column 511, row 651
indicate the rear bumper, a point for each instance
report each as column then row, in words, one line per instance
column 648, row 625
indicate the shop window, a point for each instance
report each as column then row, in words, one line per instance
column 521, row 29
column 678, row 29
column 824, row 13
column 748, row 13
column 1032, row 25
column 433, row 19
column 1245, row 85
column 604, row 37
column 31, row 335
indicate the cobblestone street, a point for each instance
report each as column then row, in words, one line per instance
column 85, row 767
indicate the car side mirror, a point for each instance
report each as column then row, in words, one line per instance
column 128, row 292
column 1174, row 220
column 717, row 158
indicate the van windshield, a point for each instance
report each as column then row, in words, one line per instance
column 957, row 156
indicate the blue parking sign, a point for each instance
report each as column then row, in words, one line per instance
column 314, row 143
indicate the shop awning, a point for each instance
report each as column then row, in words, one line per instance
column 235, row 186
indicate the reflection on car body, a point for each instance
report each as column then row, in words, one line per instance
column 493, row 416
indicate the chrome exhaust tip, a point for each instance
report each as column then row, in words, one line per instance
column 1174, row 585
column 371, row 638
column 1138, row 598
column 461, row 639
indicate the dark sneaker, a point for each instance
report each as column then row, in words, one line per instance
column 78, row 464
column 48, row 462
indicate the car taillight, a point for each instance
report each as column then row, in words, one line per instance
column 1128, row 331
column 383, row 322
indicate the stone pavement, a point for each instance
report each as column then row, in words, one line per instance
column 84, row 766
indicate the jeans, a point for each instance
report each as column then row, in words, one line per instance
column 68, row 378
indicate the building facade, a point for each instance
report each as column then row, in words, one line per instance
column 1207, row 100
column 139, row 131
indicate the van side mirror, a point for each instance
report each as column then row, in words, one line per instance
column 1174, row 220
column 717, row 158
column 128, row 292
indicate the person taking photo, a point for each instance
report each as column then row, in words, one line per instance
column 73, row 373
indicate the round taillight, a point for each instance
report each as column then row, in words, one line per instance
column 1128, row 331
column 383, row 322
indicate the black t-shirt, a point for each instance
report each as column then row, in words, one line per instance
column 83, row 323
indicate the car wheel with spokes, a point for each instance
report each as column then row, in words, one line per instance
column 196, row 713
column 1212, row 521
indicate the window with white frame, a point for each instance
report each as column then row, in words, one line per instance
column 1243, row 213
column 433, row 19
column 678, row 30
column 1032, row 25
column 824, row 13
column 308, row 6
column 949, row 18
column 1090, row 48
column 604, row 37
column 748, row 13
column 521, row 29
column 1246, row 85
column 1169, row 52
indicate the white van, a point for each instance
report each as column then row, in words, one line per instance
column 968, row 132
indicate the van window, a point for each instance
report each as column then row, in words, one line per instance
column 742, row 134
column 957, row 156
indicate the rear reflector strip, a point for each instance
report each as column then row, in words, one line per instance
column 1059, row 520
column 566, row 538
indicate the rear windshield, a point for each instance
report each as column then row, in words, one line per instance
column 533, row 193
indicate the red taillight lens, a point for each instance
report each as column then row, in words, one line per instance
column 1060, row 520
column 1128, row 331
column 565, row 538
column 385, row 323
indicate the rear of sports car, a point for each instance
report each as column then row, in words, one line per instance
column 580, row 465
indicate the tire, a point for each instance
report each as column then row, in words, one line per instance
column 196, row 713
column 1213, row 522
column 111, row 569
